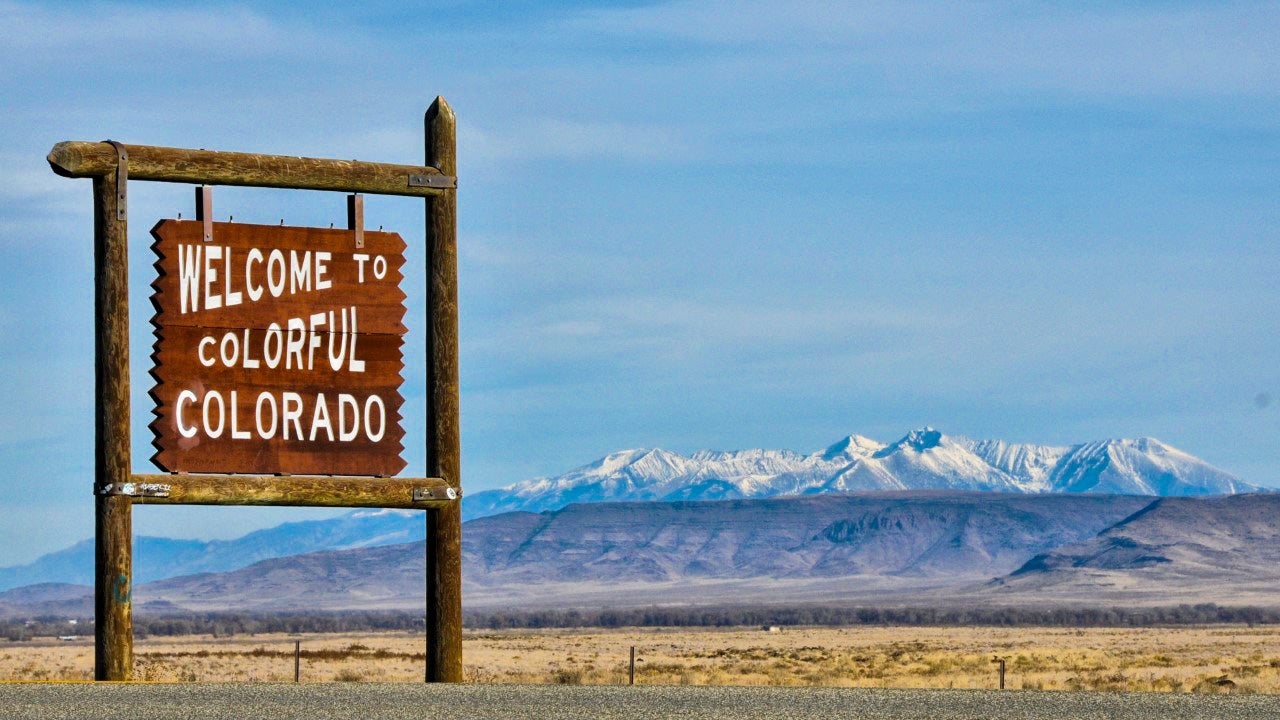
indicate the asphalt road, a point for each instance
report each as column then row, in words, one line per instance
column 353, row 701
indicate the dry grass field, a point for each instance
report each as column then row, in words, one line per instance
column 1187, row 659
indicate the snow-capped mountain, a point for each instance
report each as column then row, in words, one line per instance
column 923, row 459
column 1032, row 463
column 1144, row 466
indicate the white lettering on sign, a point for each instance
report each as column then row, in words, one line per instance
column 189, row 277
column 241, row 348
column 201, row 266
column 294, row 416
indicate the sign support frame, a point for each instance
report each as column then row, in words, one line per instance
column 114, row 480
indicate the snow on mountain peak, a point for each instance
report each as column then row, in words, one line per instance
column 1142, row 466
column 924, row 458
column 854, row 445
column 615, row 461
column 920, row 440
column 1030, row 463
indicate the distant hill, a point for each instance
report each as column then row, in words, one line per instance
column 923, row 459
column 1221, row 547
column 600, row 552
column 156, row 558
column 923, row 534
column 935, row 548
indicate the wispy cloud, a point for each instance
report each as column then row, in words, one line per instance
column 114, row 32
column 1110, row 50
column 541, row 138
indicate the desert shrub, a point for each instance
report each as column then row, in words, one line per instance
column 1113, row 682
column 1215, row 684
column 567, row 676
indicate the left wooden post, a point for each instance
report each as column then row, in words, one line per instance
column 113, row 574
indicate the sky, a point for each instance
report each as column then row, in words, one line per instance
column 695, row 224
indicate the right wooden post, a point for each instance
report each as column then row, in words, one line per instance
column 444, row 439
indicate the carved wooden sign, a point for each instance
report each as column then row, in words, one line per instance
column 278, row 350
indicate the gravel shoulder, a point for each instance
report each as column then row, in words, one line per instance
column 358, row 701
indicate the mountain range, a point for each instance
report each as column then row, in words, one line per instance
column 994, row 473
column 936, row 548
column 924, row 459
column 829, row 546
column 851, row 543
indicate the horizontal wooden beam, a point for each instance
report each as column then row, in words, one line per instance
column 297, row 490
column 209, row 167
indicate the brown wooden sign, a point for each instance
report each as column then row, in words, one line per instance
column 278, row 350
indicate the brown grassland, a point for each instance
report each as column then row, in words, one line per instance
column 1183, row 659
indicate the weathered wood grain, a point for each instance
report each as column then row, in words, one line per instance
column 180, row 165
column 113, row 574
column 204, row 351
column 444, row 439
column 298, row 490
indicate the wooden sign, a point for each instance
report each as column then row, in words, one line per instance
column 278, row 350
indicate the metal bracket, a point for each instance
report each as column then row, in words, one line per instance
column 355, row 217
column 131, row 489
column 421, row 494
column 433, row 181
column 122, row 179
column 204, row 210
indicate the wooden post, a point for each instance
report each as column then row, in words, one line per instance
column 444, row 440
column 113, row 572
column 1001, row 673
column 633, row 666
column 297, row 661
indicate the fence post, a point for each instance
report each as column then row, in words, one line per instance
column 297, row 661
column 632, row 680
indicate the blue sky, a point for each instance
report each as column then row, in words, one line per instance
column 689, row 225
